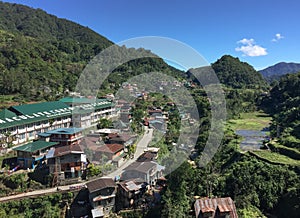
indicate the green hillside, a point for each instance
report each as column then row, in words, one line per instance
column 236, row 74
column 283, row 104
column 42, row 55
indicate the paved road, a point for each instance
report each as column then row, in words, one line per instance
column 141, row 145
column 43, row 192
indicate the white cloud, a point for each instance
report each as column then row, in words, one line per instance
column 247, row 41
column 278, row 36
column 249, row 48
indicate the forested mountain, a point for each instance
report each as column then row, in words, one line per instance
column 242, row 84
column 236, row 74
column 41, row 56
column 276, row 71
column 283, row 103
column 40, row 53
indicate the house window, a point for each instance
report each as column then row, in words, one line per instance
column 22, row 136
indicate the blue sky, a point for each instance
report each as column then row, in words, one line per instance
column 244, row 29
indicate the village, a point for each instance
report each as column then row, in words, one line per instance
column 87, row 144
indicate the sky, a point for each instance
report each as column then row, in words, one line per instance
column 260, row 32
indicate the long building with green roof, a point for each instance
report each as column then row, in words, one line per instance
column 25, row 122
column 30, row 109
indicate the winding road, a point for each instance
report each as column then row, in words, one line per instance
column 140, row 147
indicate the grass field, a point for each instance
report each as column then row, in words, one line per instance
column 277, row 158
column 250, row 121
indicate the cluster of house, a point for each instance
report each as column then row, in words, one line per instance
column 139, row 186
column 57, row 150
column 64, row 151
column 102, row 196
column 23, row 123
column 157, row 119
column 55, row 141
column 108, row 146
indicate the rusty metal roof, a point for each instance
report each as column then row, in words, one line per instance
column 214, row 205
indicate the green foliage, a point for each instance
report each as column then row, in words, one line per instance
column 47, row 207
column 250, row 212
column 256, row 183
column 283, row 104
column 16, row 181
column 104, row 123
column 177, row 196
column 289, row 204
column 93, row 170
column 131, row 214
column 41, row 55
column 236, row 74
column 240, row 101
column 131, row 149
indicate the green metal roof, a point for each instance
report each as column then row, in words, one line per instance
column 44, row 134
column 32, row 113
column 35, row 146
column 29, row 120
column 6, row 114
column 28, row 109
column 65, row 131
column 77, row 100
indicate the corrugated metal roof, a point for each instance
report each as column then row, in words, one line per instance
column 64, row 150
column 31, row 113
column 143, row 167
column 100, row 183
column 28, row 109
column 212, row 205
column 35, row 146
column 68, row 149
column 7, row 114
column 132, row 184
column 23, row 119
column 72, row 100
column 110, row 148
column 64, row 131
column 82, row 100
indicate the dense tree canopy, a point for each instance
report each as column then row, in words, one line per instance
column 236, row 74
column 40, row 54
column 283, row 103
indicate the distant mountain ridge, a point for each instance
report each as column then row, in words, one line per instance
column 276, row 71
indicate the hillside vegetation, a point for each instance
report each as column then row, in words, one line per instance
column 41, row 55
column 236, row 74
